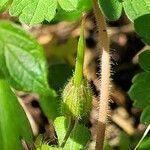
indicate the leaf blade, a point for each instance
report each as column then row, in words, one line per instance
column 68, row 5
column 3, row 5
column 112, row 9
column 24, row 65
column 142, row 27
column 77, row 140
column 136, row 8
column 35, row 11
column 10, row 134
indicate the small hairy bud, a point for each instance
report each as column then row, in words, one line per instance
column 76, row 100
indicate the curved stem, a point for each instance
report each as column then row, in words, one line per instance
column 72, row 123
column 105, row 75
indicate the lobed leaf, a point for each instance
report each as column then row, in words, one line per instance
column 22, row 60
column 144, row 60
column 140, row 89
column 36, row 11
column 136, row 8
column 14, row 125
column 112, row 9
column 145, row 117
column 142, row 27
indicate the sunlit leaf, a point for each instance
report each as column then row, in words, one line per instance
column 77, row 140
column 136, row 8
column 22, row 60
column 14, row 125
column 3, row 4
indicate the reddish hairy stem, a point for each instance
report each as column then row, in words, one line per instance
column 105, row 75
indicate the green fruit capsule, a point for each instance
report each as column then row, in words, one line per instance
column 76, row 100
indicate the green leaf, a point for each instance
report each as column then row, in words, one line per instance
column 60, row 52
column 68, row 5
column 22, row 60
column 4, row 4
column 142, row 27
column 145, row 117
column 124, row 138
column 58, row 75
column 145, row 145
column 14, row 125
column 136, row 8
column 112, row 9
column 50, row 105
column 77, row 140
column 34, row 11
column 140, row 90
column 83, row 6
column 144, row 60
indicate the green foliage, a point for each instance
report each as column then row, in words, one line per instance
column 142, row 27
column 50, row 105
column 22, row 60
column 133, row 8
column 60, row 52
column 124, row 142
column 145, row 145
column 145, row 118
column 83, row 6
column 56, row 79
column 68, row 5
column 144, row 61
column 14, row 125
column 136, row 8
column 36, row 11
column 111, row 8
column 76, row 141
column 140, row 89
column 4, row 4
column 23, row 64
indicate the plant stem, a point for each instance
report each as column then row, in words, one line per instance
column 105, row 75
column 78, row 76
column 72, row 123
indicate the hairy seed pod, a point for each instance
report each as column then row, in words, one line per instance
column 76, row 100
